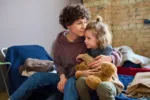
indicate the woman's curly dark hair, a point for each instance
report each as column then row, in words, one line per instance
column 71, row 13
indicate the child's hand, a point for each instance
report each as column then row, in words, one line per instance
column 86, row 73
column 79, row 57
column 100, row 59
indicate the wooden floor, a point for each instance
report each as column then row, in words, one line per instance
column 3, row 96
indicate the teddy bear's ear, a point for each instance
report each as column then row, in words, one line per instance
column 108, row 68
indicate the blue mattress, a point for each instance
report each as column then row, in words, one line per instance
column 16, row 55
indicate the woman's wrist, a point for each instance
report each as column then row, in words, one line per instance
column 62, row 76
column 110, row 58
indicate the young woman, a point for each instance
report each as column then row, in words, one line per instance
column 68, row 45
column 98, row 41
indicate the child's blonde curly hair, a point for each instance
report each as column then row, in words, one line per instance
column 101, row 31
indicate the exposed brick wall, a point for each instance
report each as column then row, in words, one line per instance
column 125, row 18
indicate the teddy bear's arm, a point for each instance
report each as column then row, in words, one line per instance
column 78, row 74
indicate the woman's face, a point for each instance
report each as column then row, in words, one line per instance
column 90, row 40
column 78, row 27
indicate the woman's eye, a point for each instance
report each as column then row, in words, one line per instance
column 78, row 23
column 85, row 22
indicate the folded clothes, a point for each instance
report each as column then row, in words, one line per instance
column 140, row 86
column 35, row 65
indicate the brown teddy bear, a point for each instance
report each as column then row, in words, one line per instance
column 105, row 73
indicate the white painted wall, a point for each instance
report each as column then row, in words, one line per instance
column 24, row 22
column 30, row 21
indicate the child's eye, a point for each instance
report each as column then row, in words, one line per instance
column 88, row 38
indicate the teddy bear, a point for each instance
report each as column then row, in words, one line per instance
column 105, row 73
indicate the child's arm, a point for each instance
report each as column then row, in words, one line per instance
column 85, row 73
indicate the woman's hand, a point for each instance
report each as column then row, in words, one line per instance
column 100, row 59
column 62, row 82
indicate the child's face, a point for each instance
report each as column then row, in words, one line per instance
column 90, row 40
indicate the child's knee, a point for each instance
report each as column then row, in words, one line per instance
column 80, row 83
column 104, row 85
column 106, row 88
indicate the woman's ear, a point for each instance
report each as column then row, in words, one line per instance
column 68, row 26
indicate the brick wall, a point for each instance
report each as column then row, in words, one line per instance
column 125, row 18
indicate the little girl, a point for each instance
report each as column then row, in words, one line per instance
column 98, row 41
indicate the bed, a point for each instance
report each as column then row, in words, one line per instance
column 16, row 55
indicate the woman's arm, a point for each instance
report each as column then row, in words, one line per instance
column 62, row 83
column 61, row 72
column 115, row 58
column 60, row 69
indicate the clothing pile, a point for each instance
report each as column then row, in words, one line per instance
column 129, row 55
column 32, row 66
column 140, row 86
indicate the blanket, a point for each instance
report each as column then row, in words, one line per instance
column 140, row 86
column 129, row 55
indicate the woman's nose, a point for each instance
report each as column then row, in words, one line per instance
column 83, row 25
column 85, row 41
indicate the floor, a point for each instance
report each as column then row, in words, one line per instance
column 3, row 96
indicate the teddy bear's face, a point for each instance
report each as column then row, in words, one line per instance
column 88, row 59
column 82, row 66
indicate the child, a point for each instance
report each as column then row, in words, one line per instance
column 98, row 41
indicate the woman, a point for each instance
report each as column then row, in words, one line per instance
column 68, row 45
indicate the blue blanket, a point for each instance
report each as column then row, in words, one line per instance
column 16, row 55
column 126, row 80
